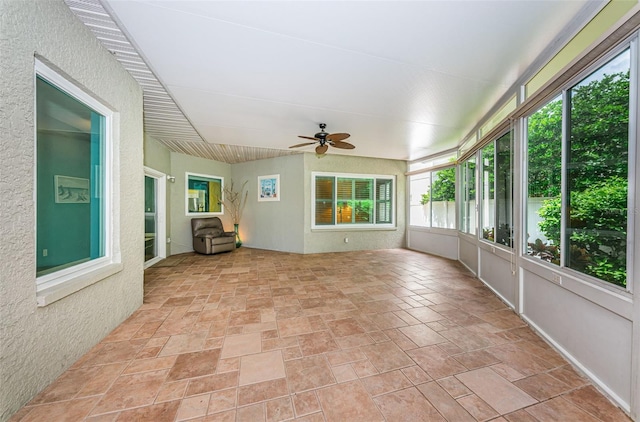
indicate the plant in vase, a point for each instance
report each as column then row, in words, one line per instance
column 234, row 201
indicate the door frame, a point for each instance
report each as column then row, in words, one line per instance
column 161, row 212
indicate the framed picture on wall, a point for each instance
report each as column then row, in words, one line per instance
column 71, row 190
column 269, row 188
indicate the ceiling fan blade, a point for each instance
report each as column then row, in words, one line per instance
column 342, row 145
column 307, row 137
column 302, row 145
column 337, row 137
column 321, row 149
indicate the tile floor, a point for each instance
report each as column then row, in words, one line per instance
column 258, row 335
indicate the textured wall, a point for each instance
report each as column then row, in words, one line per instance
column 316, row 241
column 277, row 225
column 37, row 344
column 181, row 240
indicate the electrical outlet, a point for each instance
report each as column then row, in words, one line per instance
column 45, row 252
column 168, row 240
column 346, row 240
column 557, row 278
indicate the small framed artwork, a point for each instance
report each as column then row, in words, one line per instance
column 71, row 190
column 269, row 188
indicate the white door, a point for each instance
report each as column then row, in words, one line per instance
column 155, row 237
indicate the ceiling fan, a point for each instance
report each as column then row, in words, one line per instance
column 325, row 139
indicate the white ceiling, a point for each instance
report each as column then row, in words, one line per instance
column 406, row 79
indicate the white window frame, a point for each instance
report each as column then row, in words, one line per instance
column 560, row 271
column 56, row 285
column 186, row 195
column 359, row 226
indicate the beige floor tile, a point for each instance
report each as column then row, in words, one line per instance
column 387, row 356
column 499, row 393
column 422, row 335
column 435, row 362
column 259, row 335
column 261, row 367
column 183, row 343
column 559, row 409
column 407, row 405
column 358, row 407
column 444, row 403
column 240, row 345
column 385, row 383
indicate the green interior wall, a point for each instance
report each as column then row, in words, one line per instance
column 65, row 229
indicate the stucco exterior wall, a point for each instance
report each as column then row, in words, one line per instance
column 38, row 343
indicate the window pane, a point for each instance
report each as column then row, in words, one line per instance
column 70, row 179
column 324, row 200
column 363, row 206
column 597, row 173
column 355, row 201
column 384, row 195
column 443, row 198
column 468, row 207
column 504, row 191
column 488, row 205
column 544, row 149
column 204, row 194
column 419, row 204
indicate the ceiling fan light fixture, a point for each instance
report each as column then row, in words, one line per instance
column 325, row 139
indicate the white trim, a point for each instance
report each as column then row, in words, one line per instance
column 58, row 284
column 355, row 227
column 186, row 195
column 161, row 212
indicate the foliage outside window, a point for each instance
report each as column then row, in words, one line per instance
column 204, row 194
column 353, row 200
column 497, row 191
column 468, row 196
column 433, row 199
column 72, row 187
column 586, row 232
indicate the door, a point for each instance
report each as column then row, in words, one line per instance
column 154, row 216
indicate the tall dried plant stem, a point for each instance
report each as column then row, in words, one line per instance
column 235, row 201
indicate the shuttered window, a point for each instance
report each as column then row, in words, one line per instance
column 353, row 200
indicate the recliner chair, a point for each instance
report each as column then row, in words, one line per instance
column 209, row 236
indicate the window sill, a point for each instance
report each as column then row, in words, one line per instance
column 46, row 295
column 353, row 229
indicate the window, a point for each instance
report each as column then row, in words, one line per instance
column 583, row 226
column 353, row 200
column 73, row 184
column 544, row 138
column 497, row 191
column 487, row 156
column 204, row 194
column 432, row 199
column 468, row 197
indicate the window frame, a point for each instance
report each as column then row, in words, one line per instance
column 467, row 224
column 480, row 199
column 58, row 284
column 186, row 196
column 354, row 226
column 431, row 174
column 561, row 269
